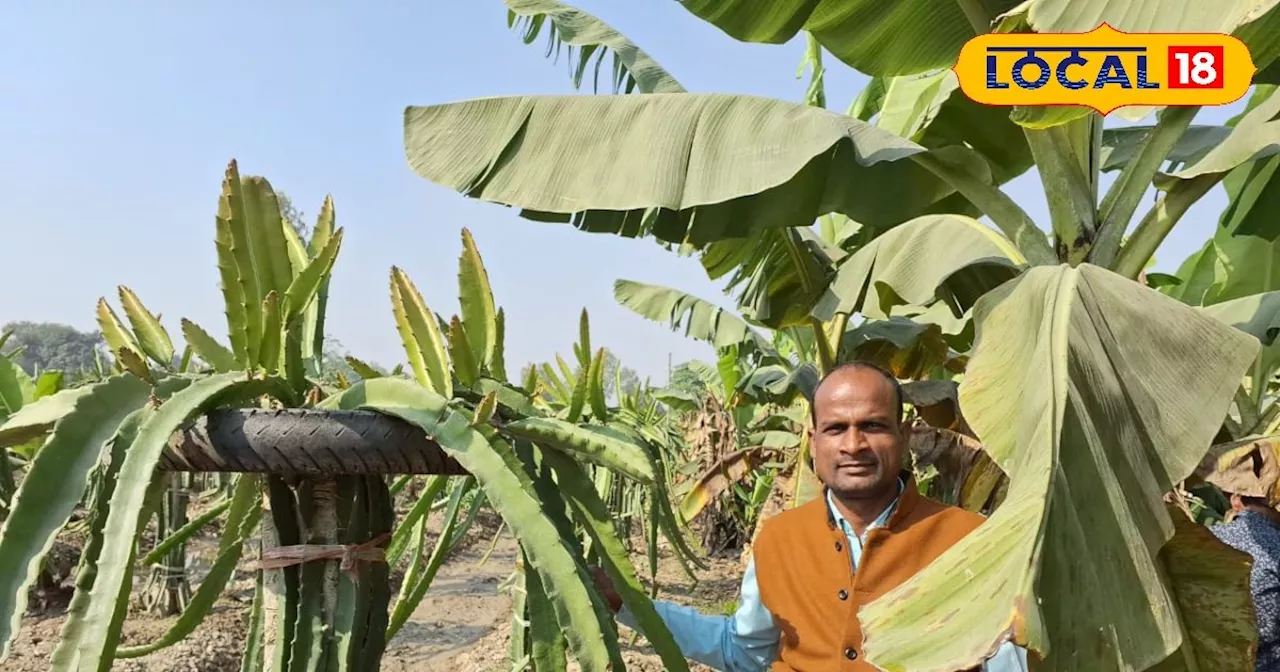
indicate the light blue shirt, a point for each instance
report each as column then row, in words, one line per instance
column 748, row 640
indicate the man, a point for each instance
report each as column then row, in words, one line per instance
column 812, row 567
column 1255, row 529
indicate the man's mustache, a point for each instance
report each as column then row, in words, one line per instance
column 857, row 463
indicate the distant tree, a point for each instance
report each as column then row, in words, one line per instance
column 333, row 362
column 48, row 345
column 629, row 378
column 293, row 215
column 686, row 379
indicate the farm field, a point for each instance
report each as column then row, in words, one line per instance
column 1060, row 326
column 464, row 623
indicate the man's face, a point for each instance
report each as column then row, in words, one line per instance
column 857, row 441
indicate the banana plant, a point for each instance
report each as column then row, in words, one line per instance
column 1075, row 367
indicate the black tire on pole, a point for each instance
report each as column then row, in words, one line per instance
column 305, row 442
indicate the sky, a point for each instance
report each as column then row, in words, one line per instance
column 120, row 120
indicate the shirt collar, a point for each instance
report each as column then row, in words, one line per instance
column 880, row 520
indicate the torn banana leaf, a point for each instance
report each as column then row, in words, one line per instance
column 682, row 167
column 1095, row 395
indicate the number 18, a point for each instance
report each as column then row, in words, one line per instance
column 1196, row 67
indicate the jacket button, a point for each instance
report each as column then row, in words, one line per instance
column 844, row 594
column 839, row 546
column 850, row 654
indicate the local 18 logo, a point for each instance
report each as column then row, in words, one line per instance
column 1104, row 69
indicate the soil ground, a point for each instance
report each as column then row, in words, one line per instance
column 464, row 623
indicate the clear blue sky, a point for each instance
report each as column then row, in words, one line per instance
column 119, row 120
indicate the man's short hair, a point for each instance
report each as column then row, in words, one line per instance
column 857, row 364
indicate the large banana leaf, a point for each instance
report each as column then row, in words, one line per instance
column 633, row 69
column 1165, row 16
column 1255, row 136
column 873, row 36
column 702, row 319
column 913, row 36
column 1257, row 315
column 778, row 383
column 1262, row 36
column 1229, row 266
column 1253, row 211
column 1210, row 581
column 1121, row 145
column 1228, row 275
column 948, row 257
column 1268, row 75
column 683, row 167
column 1095, row 395
column 912, row 102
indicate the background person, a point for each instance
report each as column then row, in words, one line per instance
column 1255, row 529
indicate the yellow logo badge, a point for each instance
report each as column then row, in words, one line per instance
column 1104, row 69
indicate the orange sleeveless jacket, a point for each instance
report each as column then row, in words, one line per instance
column 807, row 580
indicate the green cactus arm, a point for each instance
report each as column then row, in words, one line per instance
column 512, row 495
column 55, row 483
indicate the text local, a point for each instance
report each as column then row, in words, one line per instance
column 1112, row 72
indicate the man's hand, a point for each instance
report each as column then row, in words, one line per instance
column 605, row 585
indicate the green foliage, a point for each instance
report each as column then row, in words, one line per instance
column 506, row 484
column 899, row 270
column 43, row 346
column 107, row 436
column 53, row 486
column 101, row 443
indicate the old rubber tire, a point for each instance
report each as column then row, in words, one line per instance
column 304, row 442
